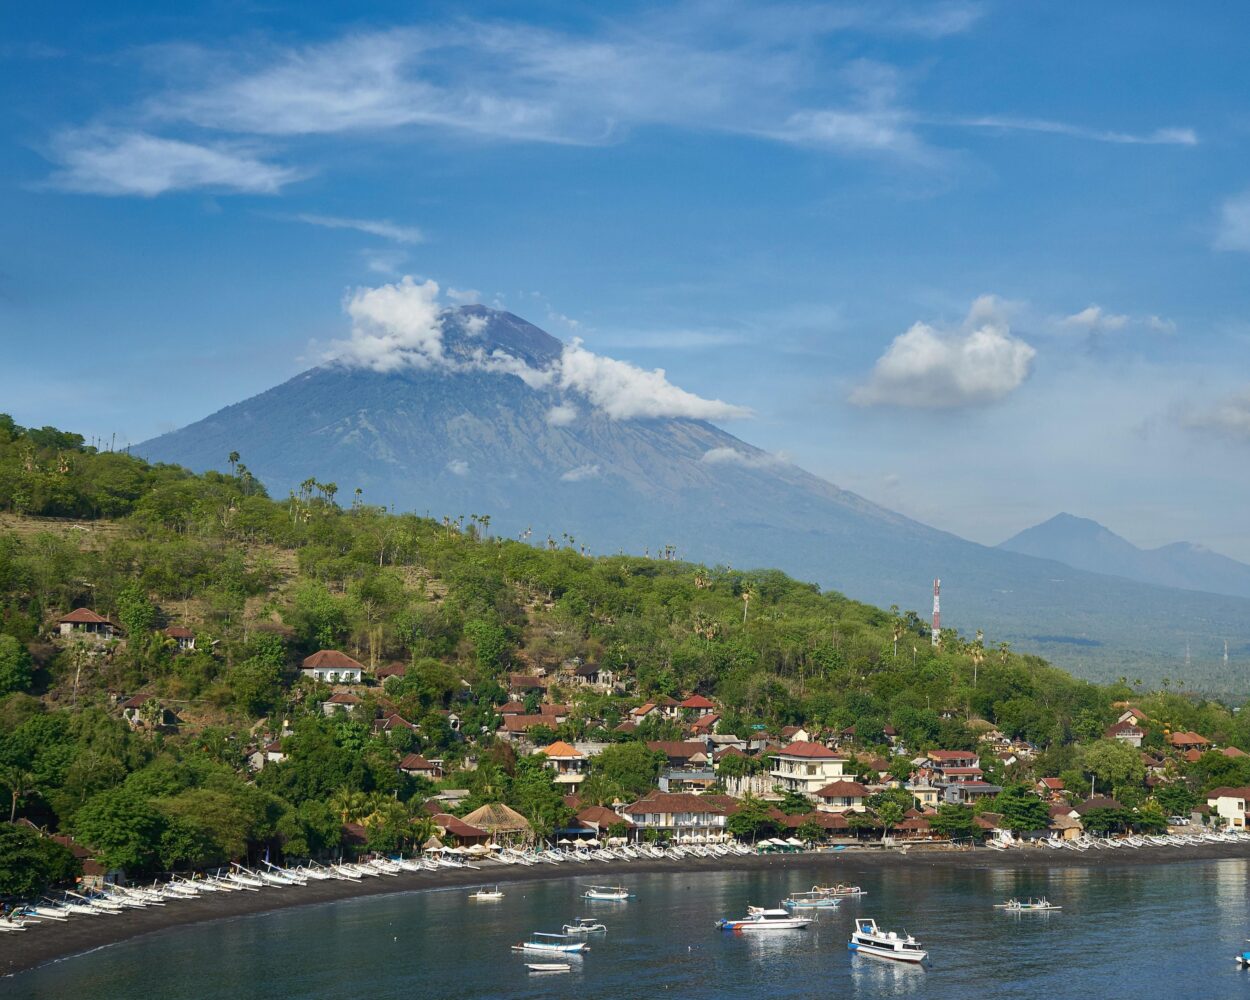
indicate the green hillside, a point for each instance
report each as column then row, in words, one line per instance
column 264, row 582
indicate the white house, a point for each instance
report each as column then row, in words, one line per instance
column 1229, row 804
column 806, row 767
column 568, row 763
column 332, row 667
column 841, row 796
column 680, row 814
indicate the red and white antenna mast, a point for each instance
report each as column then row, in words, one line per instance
column 937, row 612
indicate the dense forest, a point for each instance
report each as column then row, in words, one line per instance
column 263, row 582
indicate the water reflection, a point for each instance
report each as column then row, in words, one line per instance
column 880, row 977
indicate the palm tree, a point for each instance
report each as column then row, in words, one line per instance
column 20, row 783
column 746, row 602
column 233, row 459
column 350, row 805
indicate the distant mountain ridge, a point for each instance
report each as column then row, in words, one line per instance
column 1085, row 544
column 483, row 433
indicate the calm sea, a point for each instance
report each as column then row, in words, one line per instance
column 1153, row 931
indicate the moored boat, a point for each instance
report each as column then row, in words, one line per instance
column 760, row 918
column 810, row 901
column 484, row 893
column 551, row 943
column 839, row 891
column 548, row 966
column 585, row 925
column 608, row 893
column 1042, row 905
column 869, row 939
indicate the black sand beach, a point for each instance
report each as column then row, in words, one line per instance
column 44, row 943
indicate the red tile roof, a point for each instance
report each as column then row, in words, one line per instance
column 457, row 827
column 83, row 616
column 524, row 681
column 391, row 670
column 511, row 708
column 415, row 762
column 522, row 723
column 809, row 750
column 601, row 816
column 1054, row 784
column 342, row 698
column 331, row 659
column 179, row 632
column 677, row 749
column 697, row 701
column 1188, row 740
column 676, row 802
column 842, row 789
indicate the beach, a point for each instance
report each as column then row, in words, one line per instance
column 44, row 943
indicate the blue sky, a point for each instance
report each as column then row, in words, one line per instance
column 980, row 262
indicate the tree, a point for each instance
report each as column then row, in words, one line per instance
column 810, row 831
column 15, row 666
column 19, row 782
column 795, row 803
column 631, row 767
column 891, row 814
column 752, row 819
column 1175, row 799
column 29, row 863
column 955, row 822
column 122, row 828
column 1022, row 811
column 1113, row 763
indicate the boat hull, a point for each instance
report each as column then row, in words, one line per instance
column 877, row 951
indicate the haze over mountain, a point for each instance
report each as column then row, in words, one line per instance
column 1086, row 544
column 475, row 410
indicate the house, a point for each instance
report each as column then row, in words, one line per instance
column 1131, row 714
column 696, row 706
column 568, row 763
column 926, row 795
column 841, row 796
column 601, row 819
column 270, row 753
column 687, row 779
column 1050, row 788
column 1066, row 827
column 625, row 727
column 341, row 702
column 1233, row 753
column 704, row 724
column 395, row 669
column 463, row 834
column 522, row 684
column 967, row 792
column 643, row 712
column 594, row 676
column 680, row 814
column 1229, row 804
column 915, row 826
column 416, row 766
column 1125, row 732
column 795, row 734
column 393, row 722
column 959, row 775
column 329, row 666
column 890, row 734
column 558, row 714
column 512, row 708
column 515, row 727
column 806, row 767
column 1096, row 802
column 83, row 623
column 1189, row 741
column 670, row 708
column 143, row 711
column 681, row 753
column 939, row 760
column 184, row 638
column 848, row 734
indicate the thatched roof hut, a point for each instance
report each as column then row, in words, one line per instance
column 499, row 820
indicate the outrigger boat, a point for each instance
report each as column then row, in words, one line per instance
column 548, row 966
column 869, row 939
column 607, row 893
column 1243, row 960
column 585, row 925
column 1042, row 905
column 839, row 891
column 759, row 918
column 551, row 942
column 810, row 901
column 484, row 893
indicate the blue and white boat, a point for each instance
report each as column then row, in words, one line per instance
column 551, row 943
column 869, row 939
column 760, row 919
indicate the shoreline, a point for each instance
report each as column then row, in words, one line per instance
column 42, row 944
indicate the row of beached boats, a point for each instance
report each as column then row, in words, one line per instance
column 571, row 851
column 1087, row 843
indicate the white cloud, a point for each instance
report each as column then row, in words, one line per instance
column 1161, row 324
column 1234, row 224
column 1230, row 417
column 623, row 391
column 393, row 326
column 401, row 325
column 1094, row 318
column 1155, row 137
column 387, row 262
column 464, row 296
column 749, row 459
column 374, row 227
column 979, row 363
column 104, row 161
column 458, row 467
column 580, row 473
column 562, row 415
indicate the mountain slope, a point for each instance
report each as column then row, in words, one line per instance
column 1086, row 544
column 463, row 436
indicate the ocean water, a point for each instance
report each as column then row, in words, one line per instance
column 1166, row 930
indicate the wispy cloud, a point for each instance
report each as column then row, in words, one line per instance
column 1233, row 232
column 1228, row 417
column 751, row 458
column 383, row 228
column 1010, row 123
column 1093, row 318
column 109, row 162
column 978, row 363
column 582, row 472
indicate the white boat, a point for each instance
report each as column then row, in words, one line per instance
column 585, row 925
column 487, row 894
column 608, row 893
column 869, row 939
column 1042, row 905
column 759, row 918
column 548, row 966
column 551, row 943
column 839, row 891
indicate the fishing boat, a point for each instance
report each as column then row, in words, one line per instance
column 869, row 939
column 810, row 901
column 839, row 891
column 585, row 925
column 487, row 894
column 551, row 942
column 1042, row 905
column 759, row 918
column 548, row 966
column 608, row 893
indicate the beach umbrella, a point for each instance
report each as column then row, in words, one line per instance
column 564, row 840
column 433, row 844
